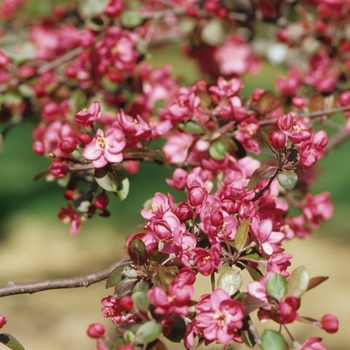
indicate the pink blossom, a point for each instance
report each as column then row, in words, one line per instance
column 176, row 146
column 103, row 149
column 268, row 239
column 234, row 57
column 111, row 308
column 160, row 204
column 176, row 299
column 312, row 344
column 290, row 85
column 227, row 88
column 89, row 115
column 220, row 318
column 58, row 169
column 178, row 180
column 206, row 261
column 70, row 216
column 318, row 208
column 288, row 309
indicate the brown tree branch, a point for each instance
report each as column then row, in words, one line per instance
column 74, row 282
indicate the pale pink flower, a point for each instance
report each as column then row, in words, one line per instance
column 89, row 115
column 220, row 317
column 176, row 146
column 318, row 208
column 313, row 343
column 103, row 149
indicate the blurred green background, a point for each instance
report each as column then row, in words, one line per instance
column 35, row 245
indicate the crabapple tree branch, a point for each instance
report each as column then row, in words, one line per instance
column 13, row 288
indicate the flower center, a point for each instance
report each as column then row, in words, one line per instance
column 221, row 318
column 101, row 142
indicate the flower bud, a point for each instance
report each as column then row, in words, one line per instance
column 3, row 321
column 68, row 145
column 277, row 140
column 58, row 169
column 101, row 201
column 126, row 303
column 329, row 323
column 83, row 137
column 183, row 211
column 96, row 330
column 38, row 148
column 285, row 122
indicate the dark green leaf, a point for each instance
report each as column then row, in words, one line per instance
column 10, row 341
column 298, row 282
column 218, row 150
column 165, row 276
column 115, row 277
column 276, row 286
column 259, row 174
column 287, row 179
column 125, row 287
column 41, row 174
column 141, row 300
column 178, row 329
column 156, row 257
column 272, row 340
column 141, row 286
column 137, row 252
column 254, row 272
column 242, row 235
column 148, row 332
column 248, row 338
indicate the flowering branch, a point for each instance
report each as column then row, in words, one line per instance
column 61, row 283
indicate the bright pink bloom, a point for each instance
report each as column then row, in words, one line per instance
column 288, row 309
column 329, row 323
column 89, row 115
column 288, row 86
column 227, row 88
column 234, row 57
column 285, row 122
column 179, row 294
column 70, row 216
column 318, row 208
column 268, row 240
column 114, row 8
column 161, row 203
column 111, row 308
column 176, row 146
column 178, row 181
column 103, row 149
column 206, row 261
column 96, row 330
column 220, row 317
column 312, row 344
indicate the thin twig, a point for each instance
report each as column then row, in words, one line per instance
column 310, row 114
column 74, row 282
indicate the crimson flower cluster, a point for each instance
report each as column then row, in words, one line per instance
column 103, row 109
